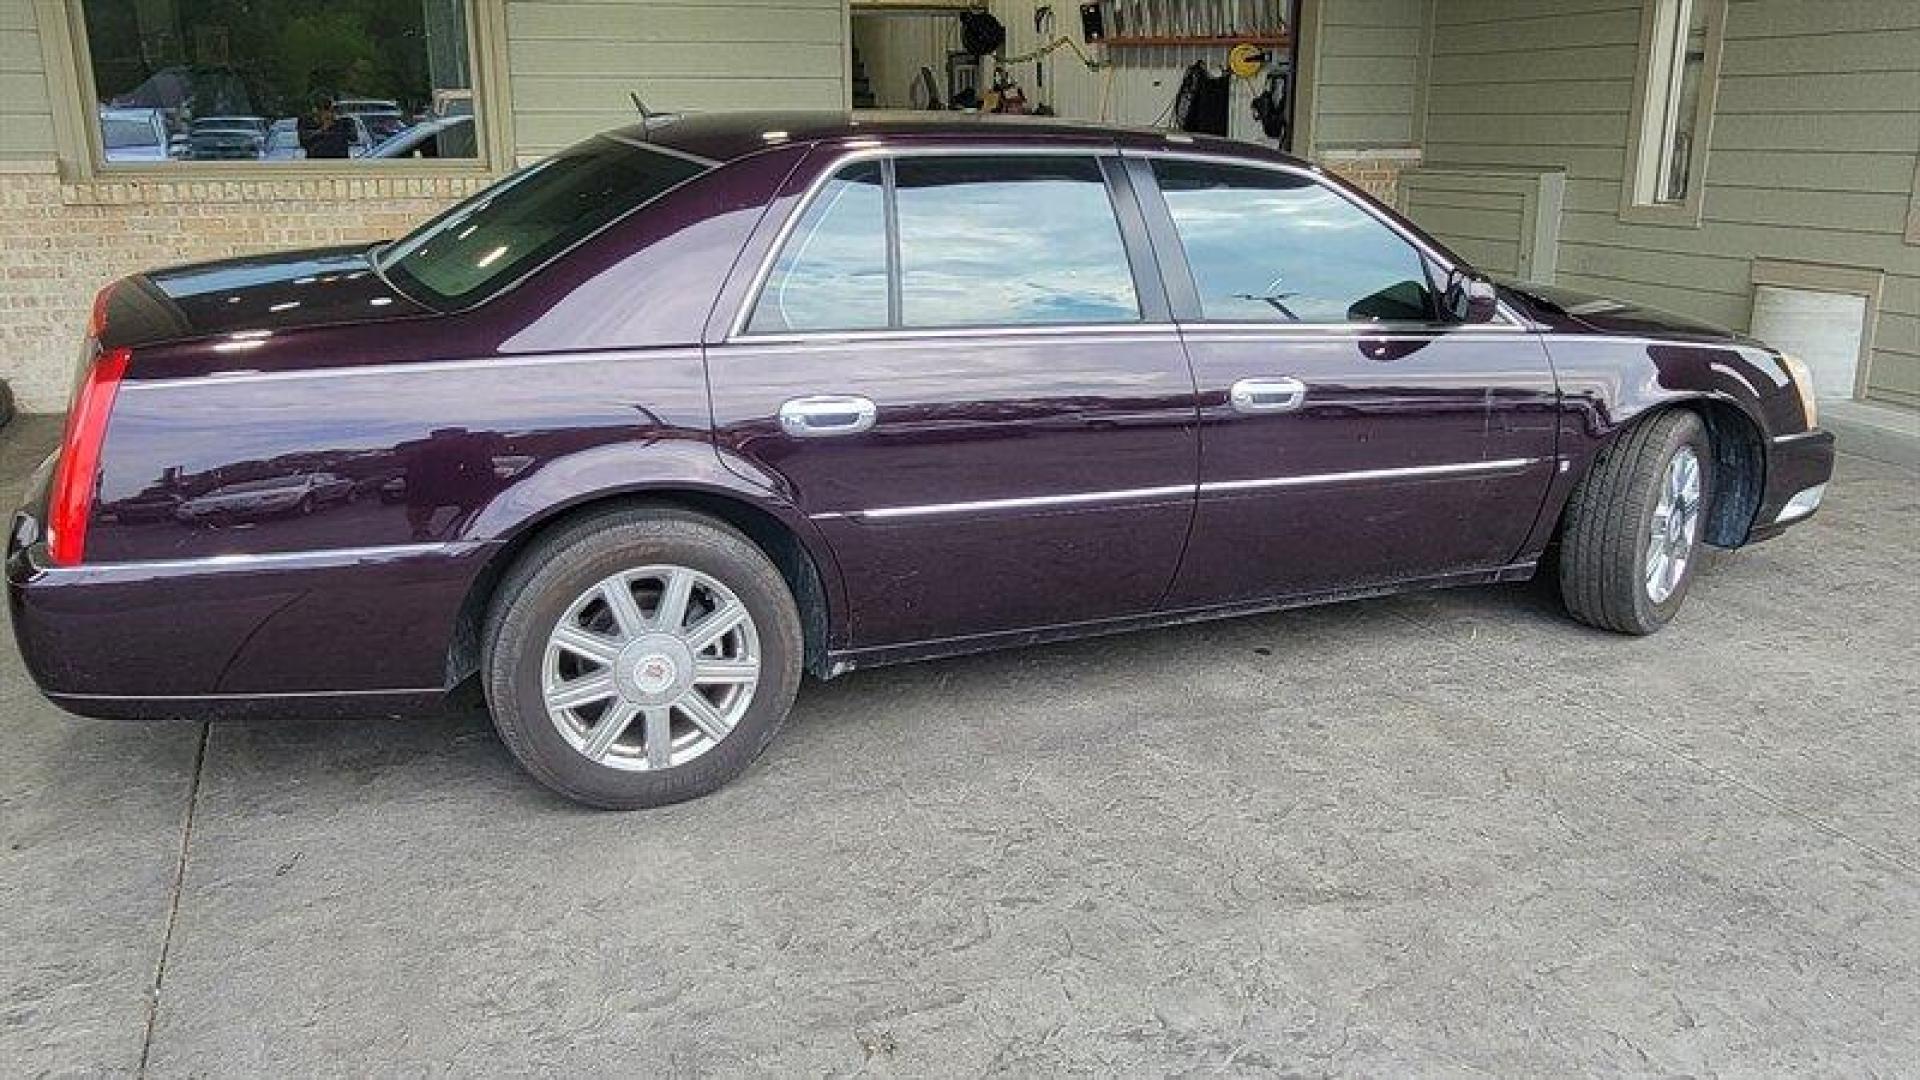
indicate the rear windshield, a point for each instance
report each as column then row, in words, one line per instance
column 122, row 132
column 516, row 226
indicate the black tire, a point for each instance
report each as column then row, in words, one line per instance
column 561, row 566
column 1609, row 520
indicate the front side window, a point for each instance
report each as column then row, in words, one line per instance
column 1272, row 246
column 484, row 244
column 231, row 81
column 993, row 240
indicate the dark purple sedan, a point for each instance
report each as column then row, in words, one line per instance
column 655, row 425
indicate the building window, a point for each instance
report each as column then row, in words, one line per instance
column 350, row 82
column 1679, row 70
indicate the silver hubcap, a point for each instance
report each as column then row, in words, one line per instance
column 651, row 668
column 1676, row 524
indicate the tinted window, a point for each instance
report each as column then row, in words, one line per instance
column 832, row 273
column 996, row 241
column 484, row 244
column 1268, row 246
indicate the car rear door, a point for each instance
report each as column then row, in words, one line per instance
column 958, row 364
column 1349, row 439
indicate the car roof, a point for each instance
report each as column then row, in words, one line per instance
column 727, row 136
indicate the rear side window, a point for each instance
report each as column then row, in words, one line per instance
column 1270, row 246
column 989, row 240
column 832, row 273
column 1009, row 241
column 516, row 226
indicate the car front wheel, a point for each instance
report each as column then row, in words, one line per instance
column 1634, row 526
column 636, row 658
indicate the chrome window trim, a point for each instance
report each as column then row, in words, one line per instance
column 1095, row 498
column 1317, row 175
column 815, row 337
column 737, row 328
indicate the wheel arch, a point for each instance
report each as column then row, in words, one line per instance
column 806, row 566
column 1739, row 462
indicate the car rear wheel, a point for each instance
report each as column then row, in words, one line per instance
column 1634, row 526
column 636, row 658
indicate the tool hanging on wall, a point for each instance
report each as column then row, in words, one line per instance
column 1042, row 29
column 1270, row 107
column 1200, row 105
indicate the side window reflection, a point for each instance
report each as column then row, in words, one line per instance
column 832, row 274
column 1269, row 246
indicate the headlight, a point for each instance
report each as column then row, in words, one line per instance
column 1803, row 384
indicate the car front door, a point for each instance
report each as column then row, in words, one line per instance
column 960, row 367
column 1349, row 438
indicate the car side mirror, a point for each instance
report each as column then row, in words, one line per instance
column 1470, row 298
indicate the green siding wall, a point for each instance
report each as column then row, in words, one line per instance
column 26, row 120
column 572, row 63
column 1812, row 155
column 1368, row 74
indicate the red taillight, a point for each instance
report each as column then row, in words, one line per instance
column 97, row 322
column 78, row 471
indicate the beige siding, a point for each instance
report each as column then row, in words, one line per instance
column 1812, row 155
column 572, row 63
column 26, row 119
column 893, row 48
column 1368, row 73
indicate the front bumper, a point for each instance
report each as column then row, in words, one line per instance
column 1798, row 468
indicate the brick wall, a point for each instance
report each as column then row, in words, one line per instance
column 1376, row 172
column 64, row 241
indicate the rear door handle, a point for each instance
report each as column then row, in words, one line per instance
column 1267, row 395
column 827, row 414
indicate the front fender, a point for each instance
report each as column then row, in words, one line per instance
column 1607, row 383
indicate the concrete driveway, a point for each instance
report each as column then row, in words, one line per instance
column 1443, row 834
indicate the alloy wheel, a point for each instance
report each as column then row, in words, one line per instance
column 1676, row 525
column 650, row 668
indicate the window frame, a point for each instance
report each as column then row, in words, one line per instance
column 69, row 72
column 1655, row 101
column 1122, row 200
column 1184, row 291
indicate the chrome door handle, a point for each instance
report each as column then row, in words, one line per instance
column 1267, row 395
column 827, row 414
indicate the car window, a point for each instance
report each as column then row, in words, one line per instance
column 832, row 273
column 120, row 133
column 1271, row 246
column 1009, row 241
column 474, row 250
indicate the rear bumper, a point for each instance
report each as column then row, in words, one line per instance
column 1798, row 468
column 350, row 632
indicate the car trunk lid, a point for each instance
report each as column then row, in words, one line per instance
column 251, row 296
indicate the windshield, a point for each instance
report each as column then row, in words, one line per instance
column 516, row 226
column 120, row 133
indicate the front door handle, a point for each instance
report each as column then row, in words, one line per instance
column 827, row 414
column 1267, row 395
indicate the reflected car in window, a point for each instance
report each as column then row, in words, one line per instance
column 443, row 137
column 226, row 138
column 669, row 419
column 130, row 135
